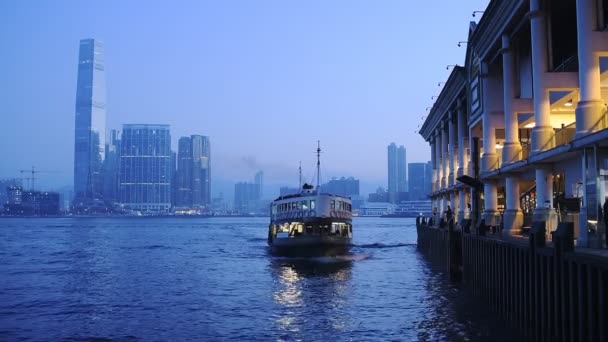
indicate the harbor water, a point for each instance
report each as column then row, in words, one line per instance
column 212, row 279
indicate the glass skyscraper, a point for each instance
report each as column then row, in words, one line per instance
column 193, row 188
column 397, row 174
column 90, row 121
column 145, row 168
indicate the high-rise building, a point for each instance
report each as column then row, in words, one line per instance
column 183, row 187
column 343, row 186
column 416, row 180
column 397, row 174
column 90, row 122
column 428, row 179
column 201, row 172
column 111, row 168
column 258, row 180
column 193, row 188
column 145, row 168
column 246, row 197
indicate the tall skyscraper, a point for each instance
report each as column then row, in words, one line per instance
column 145, row 168
column 90, row 122
column 111, row 167
column 258, row 180
column 183, row 191
column 416, row 180
column 397, row 175
column 193, row 188
column 201, row 172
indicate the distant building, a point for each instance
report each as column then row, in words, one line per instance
column 183, row 188
column 31, row 203
column 201, row 171
column 344, row 186
column 90, row 122
column 246, row 197
column 428, row 179
column 4, row 184
column 380, row 196
column 416, row 180
column 145, row 168
column 397, row 174
column 258, row 179
column 111, row 168
column 193, row 188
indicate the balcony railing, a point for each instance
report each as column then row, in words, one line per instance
column 565, row 134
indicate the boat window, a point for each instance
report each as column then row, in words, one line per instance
column 305, row 205
column 332, row 204
column 312, row 204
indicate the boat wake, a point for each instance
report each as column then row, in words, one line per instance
column 382, row 245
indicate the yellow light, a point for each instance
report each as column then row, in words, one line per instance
column 530, row 125
column 569, row 103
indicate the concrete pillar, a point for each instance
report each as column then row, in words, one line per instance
column 513, row 216
column 512, row 149
column 489, row 159
column 591, row 107
column 542, row 133
column 433, row 163
column 444, row 156
column 438, row 157
column 490, row 194
column 544, row 199
column 462, row 157
column 453, row 149
column 462, row 205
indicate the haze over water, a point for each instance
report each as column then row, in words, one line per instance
column 213, row 279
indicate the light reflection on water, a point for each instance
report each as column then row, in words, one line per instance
column 213, row 279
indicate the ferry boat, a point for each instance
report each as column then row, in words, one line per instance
column 311, row 222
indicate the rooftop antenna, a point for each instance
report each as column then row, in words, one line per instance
column 318, row 163
column 300, row 169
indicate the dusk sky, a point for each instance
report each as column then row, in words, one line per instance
column 264, row 79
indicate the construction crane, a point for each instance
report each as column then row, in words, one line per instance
column 33, row 171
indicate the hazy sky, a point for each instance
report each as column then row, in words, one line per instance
column 264, row 79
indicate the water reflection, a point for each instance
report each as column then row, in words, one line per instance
column 306, row 288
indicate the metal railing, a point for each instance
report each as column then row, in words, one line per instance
column 569, row 64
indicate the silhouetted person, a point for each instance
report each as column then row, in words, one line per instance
column 448, row 214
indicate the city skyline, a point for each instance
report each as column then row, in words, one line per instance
column 230, row 100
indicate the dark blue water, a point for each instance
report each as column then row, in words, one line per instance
column 212, row 279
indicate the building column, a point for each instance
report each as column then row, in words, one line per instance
column 444, row 155
column 489, row 161
column 513, row 216
column 542, row 133
column 462, row 204
column 490, row 200
column 433, row 163
column 438, row 156
column 544, row 199
column 453, row 149
column 512, row 149
column 462, row 158
column 591, row 107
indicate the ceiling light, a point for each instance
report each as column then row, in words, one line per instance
column 498, row 146
column 569, row 103
column 530, row 125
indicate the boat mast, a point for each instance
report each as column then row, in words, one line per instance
column 300, row 169
column 318, row 163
